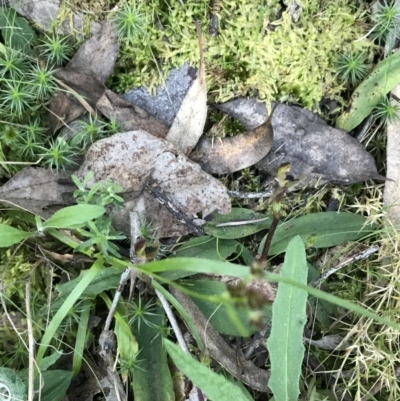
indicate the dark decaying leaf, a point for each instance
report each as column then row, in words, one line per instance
column 98, row 54
column 129, row 116
column 317, row 152
column 234, row 153
column 129, row 158
column 37, row 190
column 65, row 107
column 220, row 351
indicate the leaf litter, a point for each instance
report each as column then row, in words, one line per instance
column 130, row 158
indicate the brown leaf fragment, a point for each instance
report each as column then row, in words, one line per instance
column 98, row 54
column 234, row 153
column 65, row 107
column 188, row 124
column 128, row 158
column 129, row 116
column 220, row 351
column 37, row 190
column 316, row 152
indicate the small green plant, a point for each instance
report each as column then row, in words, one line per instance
column 352, row 67
column 129, row 22
column 386, row 20
column 13, row 64
column 387, row 111
column 59, row 155
column 90, row 131
column 55, row 49
column 42, row 81
column 16, row 97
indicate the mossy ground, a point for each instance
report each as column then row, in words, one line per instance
column 261, row 51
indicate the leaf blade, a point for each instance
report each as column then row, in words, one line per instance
column 285, row 343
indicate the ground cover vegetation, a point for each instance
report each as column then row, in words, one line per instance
column 60, row 274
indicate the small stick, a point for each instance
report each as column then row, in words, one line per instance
column 249, row 195
column 172, row 320
column 359, row 256
column 154, row 188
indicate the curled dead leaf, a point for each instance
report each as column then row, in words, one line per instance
column 234, row 153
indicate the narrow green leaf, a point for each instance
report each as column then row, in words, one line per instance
column 197, row 265
column 56, row 384
column 10, row 235
column 343, row 303
column 66, row 306
column 381, row 81
column 215, row 386
column 81, row 336
column 285, row 343
column 320, row 230
column 153, row 381
column 207, row 247
column 74, row 215
column 236, row 229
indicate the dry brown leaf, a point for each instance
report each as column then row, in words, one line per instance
column 129, row 117
column 188, row 124
column 128, row 159
column 98, row 54
column 64, row 107
column 234, row 153
column 37, row 190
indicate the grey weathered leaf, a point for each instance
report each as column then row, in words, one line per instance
column 317, row 152
column 98, row 53
column 188, row 124
column 129, row 158
column 37, row 190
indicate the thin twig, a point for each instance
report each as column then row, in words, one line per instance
column 359, row 256
column 243, row 222
column 174, row 323
column 249, row 195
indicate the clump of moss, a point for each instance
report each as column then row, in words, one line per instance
column 260, row 52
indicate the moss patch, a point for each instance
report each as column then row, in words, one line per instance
column 259, row 49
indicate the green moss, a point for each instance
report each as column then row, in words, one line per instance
column 254, row 53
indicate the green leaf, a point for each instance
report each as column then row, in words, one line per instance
column 153, row 380
column 10, row 235
column 322, row 230
column 56, row 384
column 72, row 216
column 11, row 385
column 285, row 343
column 208, row 248
column 127, row 345
column 16, row 31
column 197, row 266
column 107, row 279
column 215, row 386
column 66, row 307
column 343, row 303
column 239, row 216
column 219, row 315
column 381, row 81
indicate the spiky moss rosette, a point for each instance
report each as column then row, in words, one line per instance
column 255, row 52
